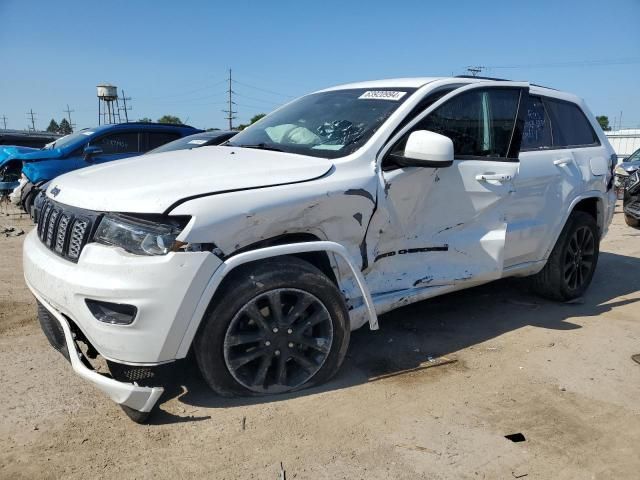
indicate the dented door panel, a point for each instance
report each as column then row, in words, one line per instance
column 440, row 226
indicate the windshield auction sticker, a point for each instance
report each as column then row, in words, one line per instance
column 382, row 95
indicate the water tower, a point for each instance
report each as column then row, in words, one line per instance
column 108, row 108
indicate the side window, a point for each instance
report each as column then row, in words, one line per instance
column 160, row 138
column 536, row 134
column 479, row 122
column 121, row 142
column 425, row 103
column 570, row 126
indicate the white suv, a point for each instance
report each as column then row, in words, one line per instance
column 262, row 254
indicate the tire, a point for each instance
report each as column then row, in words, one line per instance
column 552, row 282
column 632, row 222
column 288, row 353
column 135, row 415
column 27, row 204
column 28, row 196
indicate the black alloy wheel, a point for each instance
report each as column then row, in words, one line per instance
column 579, row 258
column 278, row 341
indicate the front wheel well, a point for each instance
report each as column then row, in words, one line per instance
column 319, row 259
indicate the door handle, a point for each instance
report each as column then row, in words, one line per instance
column 563, row 161
column 499, row 177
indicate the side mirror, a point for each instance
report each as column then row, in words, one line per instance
column 426, row 149
column 91, row 151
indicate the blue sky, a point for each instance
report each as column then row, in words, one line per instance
column 172, row 57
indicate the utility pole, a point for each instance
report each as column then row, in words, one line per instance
column 33, row 122
column 230, row 112
column 125, row 108
column 69, row 112
column 474, row 71
column 4, row 120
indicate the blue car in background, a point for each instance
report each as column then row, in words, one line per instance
column 8, row 182
column 30, row 169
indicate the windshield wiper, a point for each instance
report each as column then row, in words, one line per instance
column 259, row 146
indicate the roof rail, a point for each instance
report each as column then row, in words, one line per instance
column 484, row 78
column 156, row 123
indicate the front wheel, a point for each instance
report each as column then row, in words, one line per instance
column 572, row 263
column 274, row 327
column 631, row 221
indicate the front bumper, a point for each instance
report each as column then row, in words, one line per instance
column 129, row 395
column 164, row 289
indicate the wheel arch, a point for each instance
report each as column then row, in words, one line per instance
column 588, row 202
column 319, row 259
column 317, row 249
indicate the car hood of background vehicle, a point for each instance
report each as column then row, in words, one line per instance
column 630, row 166
column 153, row 183
column 14, row 151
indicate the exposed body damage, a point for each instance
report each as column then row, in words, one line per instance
column 260, row 255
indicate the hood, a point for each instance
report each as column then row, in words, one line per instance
column 152, row 183
column 630, row 167
column 9, row 152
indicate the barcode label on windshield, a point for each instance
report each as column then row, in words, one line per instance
column 382, row 95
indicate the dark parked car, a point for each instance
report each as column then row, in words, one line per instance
column 631, row 205
column 212, row 137
column 19, row 138
column 625, row 169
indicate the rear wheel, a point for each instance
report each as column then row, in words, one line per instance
column 274, row 327
column 632, row 222
column 572, row 263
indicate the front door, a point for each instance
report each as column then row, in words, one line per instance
column 116, row 145
column 447, row 226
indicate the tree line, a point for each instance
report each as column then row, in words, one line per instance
column 62, row 128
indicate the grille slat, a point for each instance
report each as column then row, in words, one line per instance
column 77, row 238
column 64, row 230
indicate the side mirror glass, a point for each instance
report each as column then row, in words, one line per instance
column 91, row 151
column 426, row 149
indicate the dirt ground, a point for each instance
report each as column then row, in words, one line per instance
column 560, row 374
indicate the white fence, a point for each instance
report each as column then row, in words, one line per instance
column 624, row 142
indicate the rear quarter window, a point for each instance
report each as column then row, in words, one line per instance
column 570, row 125
column 157, row 139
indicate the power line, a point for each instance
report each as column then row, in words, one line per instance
column 31, row 114
column 230, row 112
column 258, row 99
column 69, row 112
column 263, row 89
column 577, row 63
column 188, row 92
column 474, row 71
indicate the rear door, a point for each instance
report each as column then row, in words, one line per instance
column 558, row 149
column 442, row 226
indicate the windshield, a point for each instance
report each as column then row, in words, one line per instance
column 634, row 157
column 67, row 140
column 327, row 124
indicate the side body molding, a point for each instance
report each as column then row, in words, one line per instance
column 267, row 252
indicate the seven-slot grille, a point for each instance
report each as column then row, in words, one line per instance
column 64, row 230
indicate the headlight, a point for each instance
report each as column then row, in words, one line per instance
column 139, row 236
column 621, row 171
column 634, row 182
